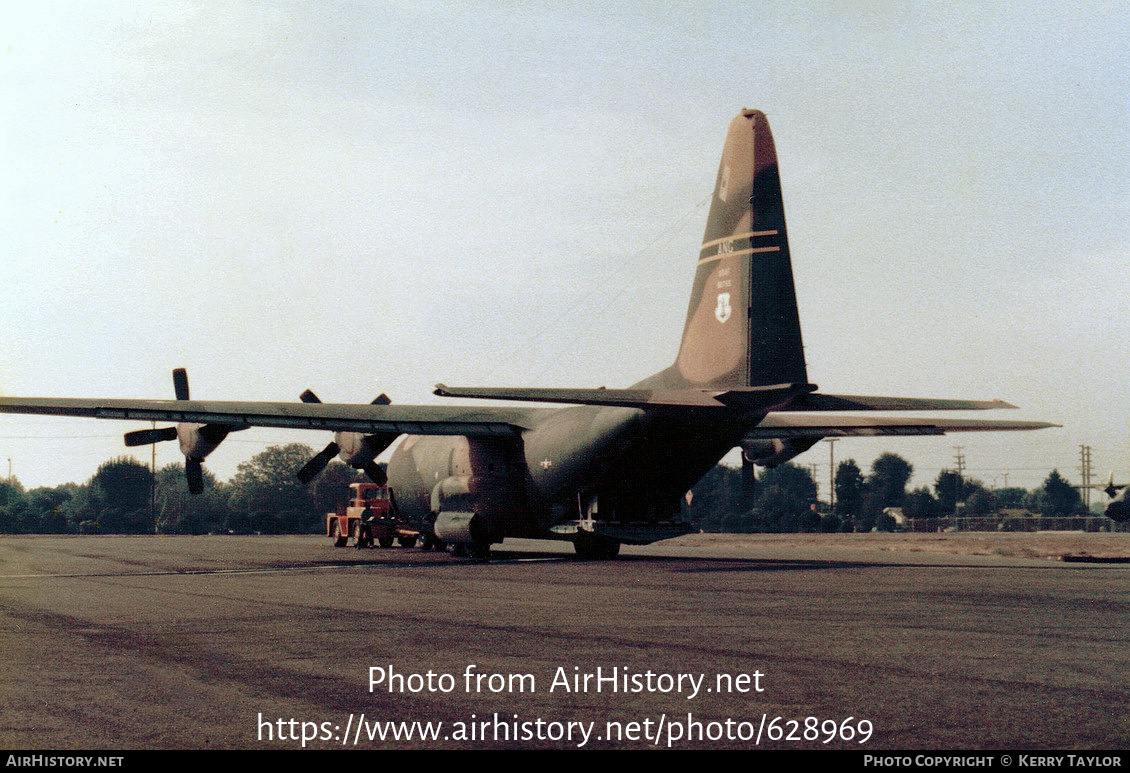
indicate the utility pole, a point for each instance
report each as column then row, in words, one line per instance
column 153, row 482
column 959, row 458
column 832, row 473
column 1085, row 471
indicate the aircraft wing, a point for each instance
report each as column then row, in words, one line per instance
column 473, row 421
column 779, row 425
column 470, row 421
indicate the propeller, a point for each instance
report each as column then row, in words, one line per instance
column 196, row 440
column 1112, row 489
column 145, row 437
column 366, row 448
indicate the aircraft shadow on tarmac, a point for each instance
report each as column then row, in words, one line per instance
column 681, row 564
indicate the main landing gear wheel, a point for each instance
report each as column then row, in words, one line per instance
column 385, row 542
column 407, row 542
column 595, row 546
column 478, row 551
column 431, row 542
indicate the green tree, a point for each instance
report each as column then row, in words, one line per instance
column 920, row 503
column 889, row 476
column 13, row 506
column 849, row 489
column 119, row 497
column 1012, row 497
column 1058, row 497
column 783, row 503
column 11, row 491
column 179, row 512
column 265, row 496
column 979, row 501
column 49, row 509
column 948, row 488
column 717, row 503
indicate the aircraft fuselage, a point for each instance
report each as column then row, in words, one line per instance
column 625, row 464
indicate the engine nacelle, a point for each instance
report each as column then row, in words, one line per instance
column 457, row 520
column 453, row 494
column 199, row 440
column 775, row 451
column 454, row 527
column 359, row 451
column 196, row 440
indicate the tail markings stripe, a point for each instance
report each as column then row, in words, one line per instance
column 721, row 255
column 735, row 237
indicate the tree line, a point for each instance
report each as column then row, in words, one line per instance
column 784, row 499
column 125, row 497
column 264, row 497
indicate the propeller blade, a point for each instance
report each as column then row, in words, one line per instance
column 194, row 473
column 309, row 397
column 376, row 473
column 145, row 437
column 318, row 463
column 180, row 384
column 749, row 477
column 214, row 433
column 379, row 442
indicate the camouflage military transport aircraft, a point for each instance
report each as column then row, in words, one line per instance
column 613, row 467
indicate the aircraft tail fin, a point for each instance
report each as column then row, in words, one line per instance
column 742, row 327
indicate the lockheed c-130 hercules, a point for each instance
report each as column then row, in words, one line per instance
column 613, row 466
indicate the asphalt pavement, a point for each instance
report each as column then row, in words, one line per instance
column 285, row 642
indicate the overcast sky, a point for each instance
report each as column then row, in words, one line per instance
column 368, row 197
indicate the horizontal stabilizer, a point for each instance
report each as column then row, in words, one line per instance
column 764, row 398
column 821, row 402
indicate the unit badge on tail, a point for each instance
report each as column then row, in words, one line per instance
column 722, row 310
